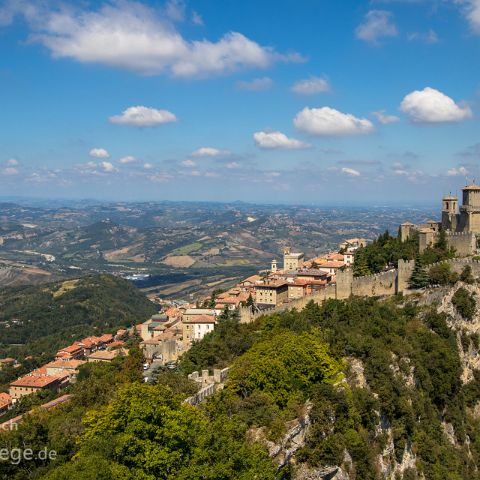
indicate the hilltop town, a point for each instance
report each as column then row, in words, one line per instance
column 167, row 335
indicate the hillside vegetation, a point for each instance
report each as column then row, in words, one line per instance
column 40, row 319
column 373, row 389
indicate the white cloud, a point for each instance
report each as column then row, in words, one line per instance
column 453, row 172
column 377, row 24
column 327, row 121
column 10, row 171
column 277, row 140
column 311, row 86
column 140, row 116
column 431, row 106
column 189, row 163
column 107, row 167
column 147, row 166
column 99, row 153
column 209, row 152
column 137, row 37
column 429, row 37
column 471, row 11
column 175, row 10
column 255, row 85
column 350, row 171
column 11, row 162
column 385, row 119
column 128, row 159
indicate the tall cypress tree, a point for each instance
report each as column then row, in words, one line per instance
column 419, row 278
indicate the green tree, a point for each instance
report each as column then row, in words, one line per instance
column 467, row 275
column 465, row 303
column 360, row 266
column 442, row 274
column 419, row 277
column 283, row 366
column 147, row 433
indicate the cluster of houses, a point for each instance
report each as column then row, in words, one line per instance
column 166, row 336
column 57, row 374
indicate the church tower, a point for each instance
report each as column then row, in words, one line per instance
column 274, row 268
column 449, row 212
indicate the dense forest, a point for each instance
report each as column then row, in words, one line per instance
column 38, row 320
column 378, row 379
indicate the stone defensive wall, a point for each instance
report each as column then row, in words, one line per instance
column 464, row 243
column 381, row 284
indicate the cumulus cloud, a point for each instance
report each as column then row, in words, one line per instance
column 277, row 140
column 385, row 119
column 377, row 24
column 188, row 163
column 147, row 166
column 99, row 153
column 255, row 85
column 351, row 172
column 471, row 10
column 327, row 121
column 11, row 162
column 432, row 106
column 455, row 171
column 312, row 85
column 137, row 37
column 209, row 152
column 107, row 167
column 140, row 116
column 128, row 159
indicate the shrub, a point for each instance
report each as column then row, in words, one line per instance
column 464, row 303
column 442, row 274
column 466, row 275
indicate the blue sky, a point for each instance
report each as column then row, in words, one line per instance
column 321, row 101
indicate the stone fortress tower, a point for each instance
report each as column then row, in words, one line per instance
column 461, row 225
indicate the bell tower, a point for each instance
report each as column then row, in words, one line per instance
column 449, row 212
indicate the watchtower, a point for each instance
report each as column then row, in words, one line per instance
column 449, row 212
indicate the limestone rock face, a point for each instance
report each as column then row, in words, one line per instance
column 469, row 355
column 283, row 450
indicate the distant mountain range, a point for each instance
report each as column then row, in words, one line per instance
column 208, row 243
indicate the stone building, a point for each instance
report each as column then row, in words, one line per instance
column 292, row 261
column 461, row 224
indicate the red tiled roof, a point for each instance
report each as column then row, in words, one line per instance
column 34, row 381
column 5, row 400
column 74, row 347
column 66, row 364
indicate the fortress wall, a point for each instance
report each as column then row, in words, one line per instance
column 458, row 264
column 387, row 283
column 463, row 243
column 373, row 285
column 344, row 284
column 405, row 269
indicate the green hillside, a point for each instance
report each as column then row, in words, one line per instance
column 381, row 390
column 38, row 320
